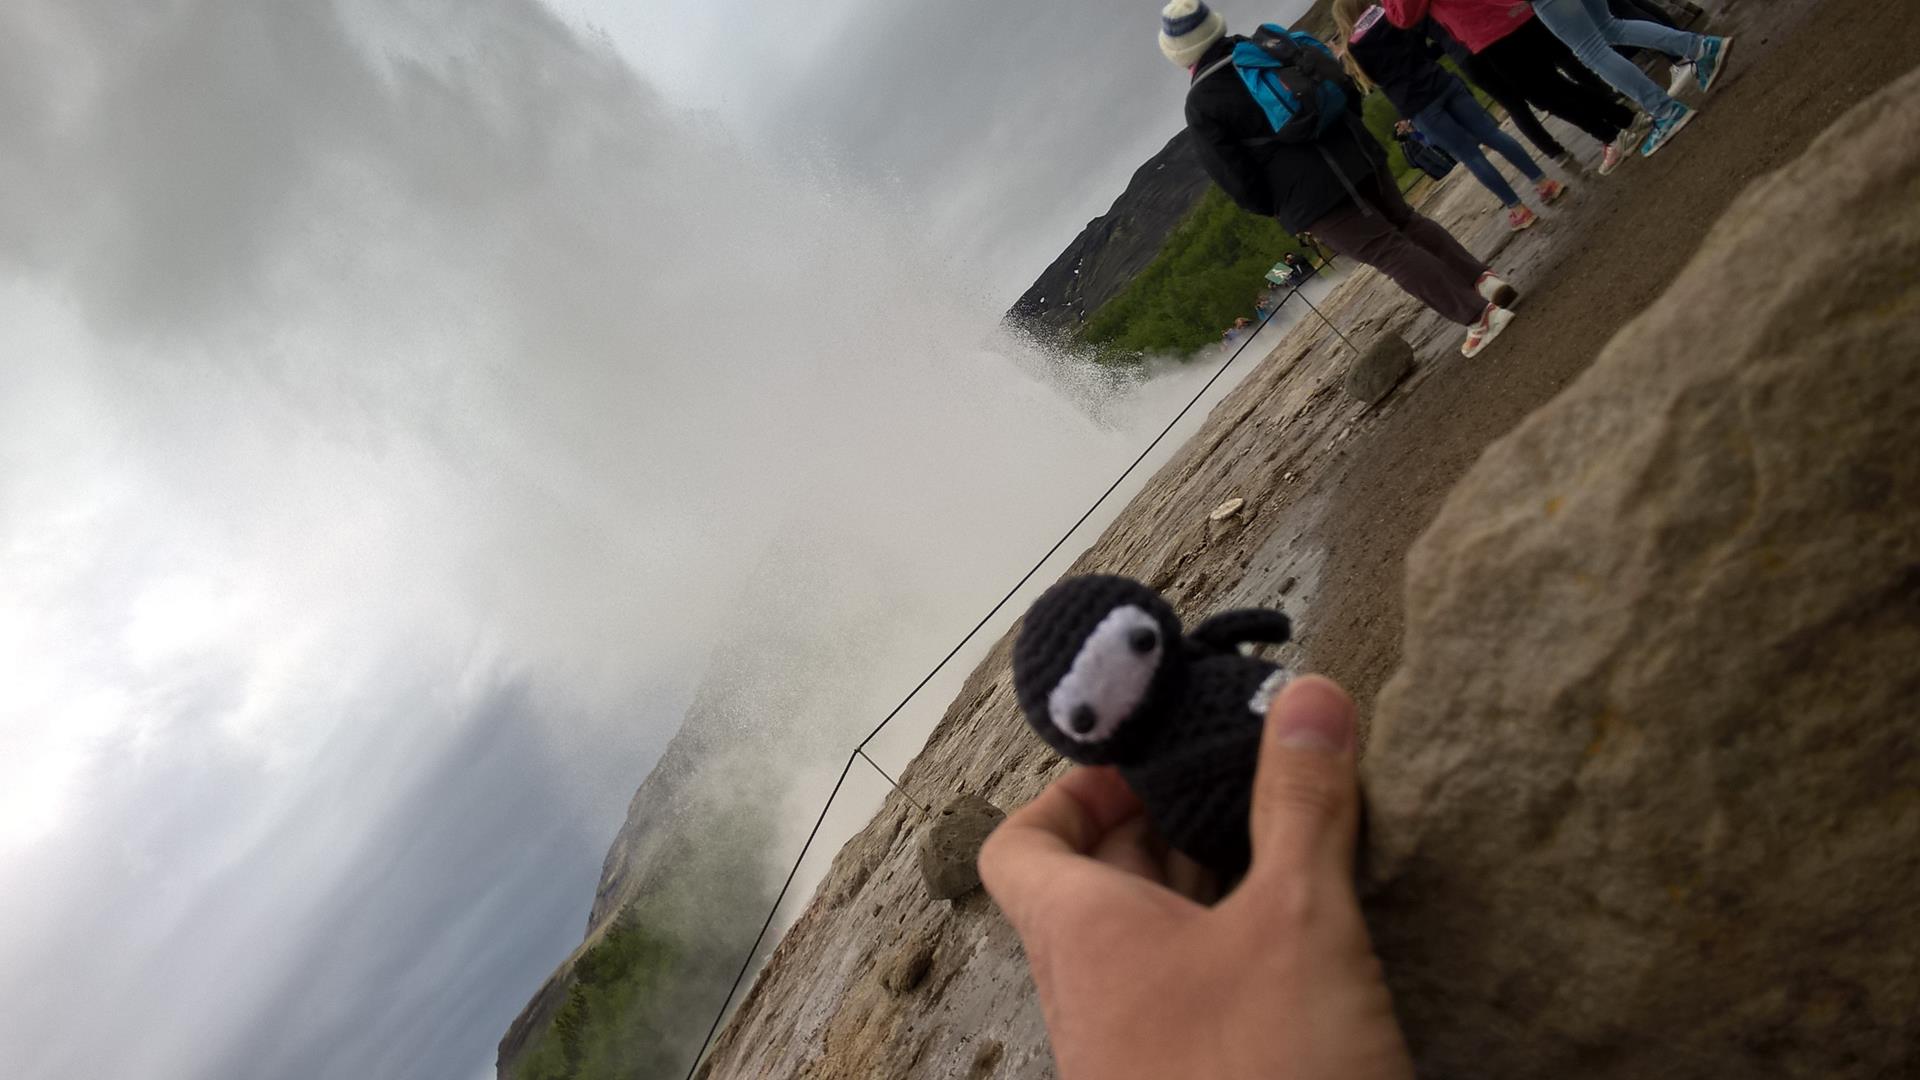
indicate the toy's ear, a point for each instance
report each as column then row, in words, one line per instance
column 1224, row 632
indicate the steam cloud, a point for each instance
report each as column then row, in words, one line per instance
column 399, row 407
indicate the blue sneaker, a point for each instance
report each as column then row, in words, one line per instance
column 1664, row 130
column 1711, row 61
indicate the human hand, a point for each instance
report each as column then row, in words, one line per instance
column 1277, row 982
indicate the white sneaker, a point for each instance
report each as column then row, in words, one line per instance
column 1481, row 334
column 1617, row 151
column 1681, row 80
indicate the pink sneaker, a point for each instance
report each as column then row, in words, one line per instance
column 1611, row 157
column 1520, row 217
column 1481, row 334
column 1549, row 190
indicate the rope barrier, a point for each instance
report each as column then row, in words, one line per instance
column 860, row 751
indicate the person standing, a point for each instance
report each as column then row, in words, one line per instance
column 1334, row 185
column 1507, row 45
column 1591, row 31
column 1401, row 63
column 1506, row 94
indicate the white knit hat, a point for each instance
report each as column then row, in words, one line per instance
column 1187, row 28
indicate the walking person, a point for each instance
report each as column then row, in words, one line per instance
column 1680, row 74
column 1325, row 176
column 1506, row 94
column 1591, row 31
column 1401, row 63
column 1506, row 45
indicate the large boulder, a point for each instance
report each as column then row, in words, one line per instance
column 1645, row 791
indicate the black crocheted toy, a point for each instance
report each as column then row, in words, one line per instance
column 1105, row 676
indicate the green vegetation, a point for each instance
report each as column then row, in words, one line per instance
column 1208, row 272
column 602, row 1030
column 1204, row 277
column 1379, row 116
column 640, row 999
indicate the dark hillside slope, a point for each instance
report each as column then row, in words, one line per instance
column 1119, row 243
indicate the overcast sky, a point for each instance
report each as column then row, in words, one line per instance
column 395, row 396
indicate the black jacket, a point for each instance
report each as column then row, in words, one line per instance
column 1294, row 182
column 1403, row 62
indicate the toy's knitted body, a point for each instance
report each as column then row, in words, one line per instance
column 1106, row 677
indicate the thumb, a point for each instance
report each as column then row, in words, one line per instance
column 1305, row 802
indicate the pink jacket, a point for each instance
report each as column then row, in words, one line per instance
column 1474, row 23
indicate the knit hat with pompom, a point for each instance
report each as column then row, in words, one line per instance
column 1187, row 28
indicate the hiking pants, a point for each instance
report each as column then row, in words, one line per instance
column 1591, row 31
column 1457, row 123
column 1524, row 60
column 1420, row 256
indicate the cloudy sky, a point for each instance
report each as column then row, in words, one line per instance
column 395, row 396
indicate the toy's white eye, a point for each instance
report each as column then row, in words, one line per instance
column 1110, row 676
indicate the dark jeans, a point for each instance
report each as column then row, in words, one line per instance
column 1420, row 256
column 1457, row 124
column 1529, row 59
column 1511, row 99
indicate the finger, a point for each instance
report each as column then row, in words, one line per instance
column 1191, row 880
column 1057, row 829
column 1305, row 795
column 1134, row 848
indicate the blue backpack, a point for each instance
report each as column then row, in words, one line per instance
column 1294, row 78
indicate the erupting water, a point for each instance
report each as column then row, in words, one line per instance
column 401, row 412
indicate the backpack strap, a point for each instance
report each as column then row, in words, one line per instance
column 1366, row 208
column 1261, row 141
column 1225, row 61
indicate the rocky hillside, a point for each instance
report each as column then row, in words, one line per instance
column 690, row 863
column 1119, row 243
column 670, row 843
column 696, row 829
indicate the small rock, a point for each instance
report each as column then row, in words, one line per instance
column 986, row 1059
column 1225, row 520
column 950, row 846
column 1378, row 370
column 907, row 966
